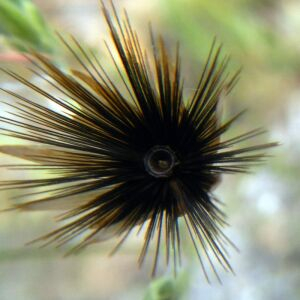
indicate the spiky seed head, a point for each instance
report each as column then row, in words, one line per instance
column 141, row 154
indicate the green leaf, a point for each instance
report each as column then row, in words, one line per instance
column 24, row 27
column 168, row 288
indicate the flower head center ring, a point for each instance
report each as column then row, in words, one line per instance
column 159, row 161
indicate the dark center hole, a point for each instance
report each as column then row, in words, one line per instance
column 159, row 161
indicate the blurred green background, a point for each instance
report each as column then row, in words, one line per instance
column 263, row 208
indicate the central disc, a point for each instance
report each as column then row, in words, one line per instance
column 159, row 161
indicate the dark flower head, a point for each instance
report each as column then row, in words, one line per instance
column 132, row 153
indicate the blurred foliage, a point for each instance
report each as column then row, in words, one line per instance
column 246, row 27
column 168, row 288
column 24, row 27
